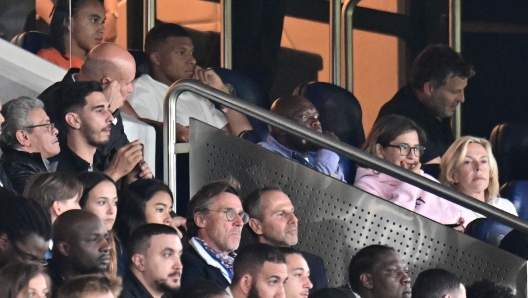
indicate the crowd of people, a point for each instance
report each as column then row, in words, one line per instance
column 81, row 214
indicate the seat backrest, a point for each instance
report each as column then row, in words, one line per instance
column 517, row 193
column 32, row 41
column 510, row 147
column 487, row 230
column 340, row 113
column 141, row 62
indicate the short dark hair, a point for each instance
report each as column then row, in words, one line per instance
column 69, row 97
column 435, row 63
column 21, row 217
column 59, row 20
column 488, row 289
column 252, row 257
column 47, row 188
column 363, row 262
column 290, row 251
column 205, row 197
column 435, row 283
column 132, row 204
column 159, row 34
column 89, row 181
column 139, row 241
column 92, row 283
column 202, row 289
column 253, row 202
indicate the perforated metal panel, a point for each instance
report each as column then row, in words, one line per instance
column 336, row 219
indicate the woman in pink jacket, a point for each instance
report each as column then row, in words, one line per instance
column 398, row 140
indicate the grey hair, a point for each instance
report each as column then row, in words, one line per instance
column 16, row 114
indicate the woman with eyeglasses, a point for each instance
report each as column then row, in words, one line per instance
column 469, row 167
column 24, row 279
column 398, row 140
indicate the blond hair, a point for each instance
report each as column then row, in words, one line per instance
column 454, row 157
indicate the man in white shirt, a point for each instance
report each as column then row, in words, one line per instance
column 169, row 50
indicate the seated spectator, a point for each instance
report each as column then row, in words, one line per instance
column 399, row 141
column 469, row 167
column 82, row 110
column 100, row 198
column 24, row 279
column 298, row 284
column 5, row 184
column 273, row 221
column 169, row 50
column 303, row 112
column 114, row 68
column 439, row 76
column 155, row 268
column 91, row 286
column 259, row 271
column 29, row 139
column 80, row 247
column 488, row 289
column 438, row 283
column 368, row 273
column 58, row 192
column 204, row 289
column 83, row 33
column 214, row 221
column 25, row 230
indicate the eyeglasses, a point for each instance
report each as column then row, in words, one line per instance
column 25, row 256
column 50, row 129
column 405, row 149
column 231, row 214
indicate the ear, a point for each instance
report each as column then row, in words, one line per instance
column 155, row 58
column 200, row 220
column 138, row 261
column 22, row 138
column 366, row 281
column 105, row 81
column 66, row 24
column 256, row 226
column 379, row 151
column 447, row 296
column 4, row 242
column 73, row 120
column 55, row 208
column 455, row 178
column 64, row 248
column 245, row 283
column 428, row 88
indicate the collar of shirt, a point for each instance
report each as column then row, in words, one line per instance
column 292, row 154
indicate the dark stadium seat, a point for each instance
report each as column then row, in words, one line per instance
column 510, row 147
column 487, row 230
column 517, row 193
column 32, row 41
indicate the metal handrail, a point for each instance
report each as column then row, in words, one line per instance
column 335, row 42
column 149, row 15
column 169, row 138
column 226, row 35
column 455, row 41
column 348, row 12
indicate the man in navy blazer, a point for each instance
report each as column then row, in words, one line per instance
column 272, row 220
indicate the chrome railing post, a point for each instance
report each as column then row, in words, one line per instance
column 348, row 40
column 455, row 42
column 335, row 42
column 226, row 34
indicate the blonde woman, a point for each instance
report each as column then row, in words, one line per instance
column 469, row 167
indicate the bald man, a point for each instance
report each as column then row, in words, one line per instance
column 114, row 68
column 304, row 113
column 80, row 246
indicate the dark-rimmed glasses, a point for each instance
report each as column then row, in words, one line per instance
column 51, row 126
column 231, row 214
column 405, row 149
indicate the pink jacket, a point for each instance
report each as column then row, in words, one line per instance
column 410, row 197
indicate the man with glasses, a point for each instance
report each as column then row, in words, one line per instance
column 214, row 222
column 304, row 113
column 25, row 230
column 28, row 140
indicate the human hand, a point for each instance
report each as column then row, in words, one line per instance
column 412, row 167
column 125, row 159
column 110, row 28
column 179, row 222
column 210, row 78
column 112, row 94
column 182, row 133
column 460, row 225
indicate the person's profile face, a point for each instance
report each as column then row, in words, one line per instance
column 298, row 284
column 162, row 262
column 269, row 282
column 472, row 176
column 389, row 277
column 88, row 25
column 102, row 201
column 445, row 99
column 176, row 58
column 38, row 287
column 158, row 208
column 96, row 120
column 89, row 248
column 41, row 134
column 279, row 223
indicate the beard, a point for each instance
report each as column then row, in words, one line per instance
column 253, row 292
column 162, row 285
column 89, row 134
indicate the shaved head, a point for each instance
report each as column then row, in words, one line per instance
column 68, row 224
column 106, row 59
column 289, row 105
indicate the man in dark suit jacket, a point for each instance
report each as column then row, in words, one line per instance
column 273, row 221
